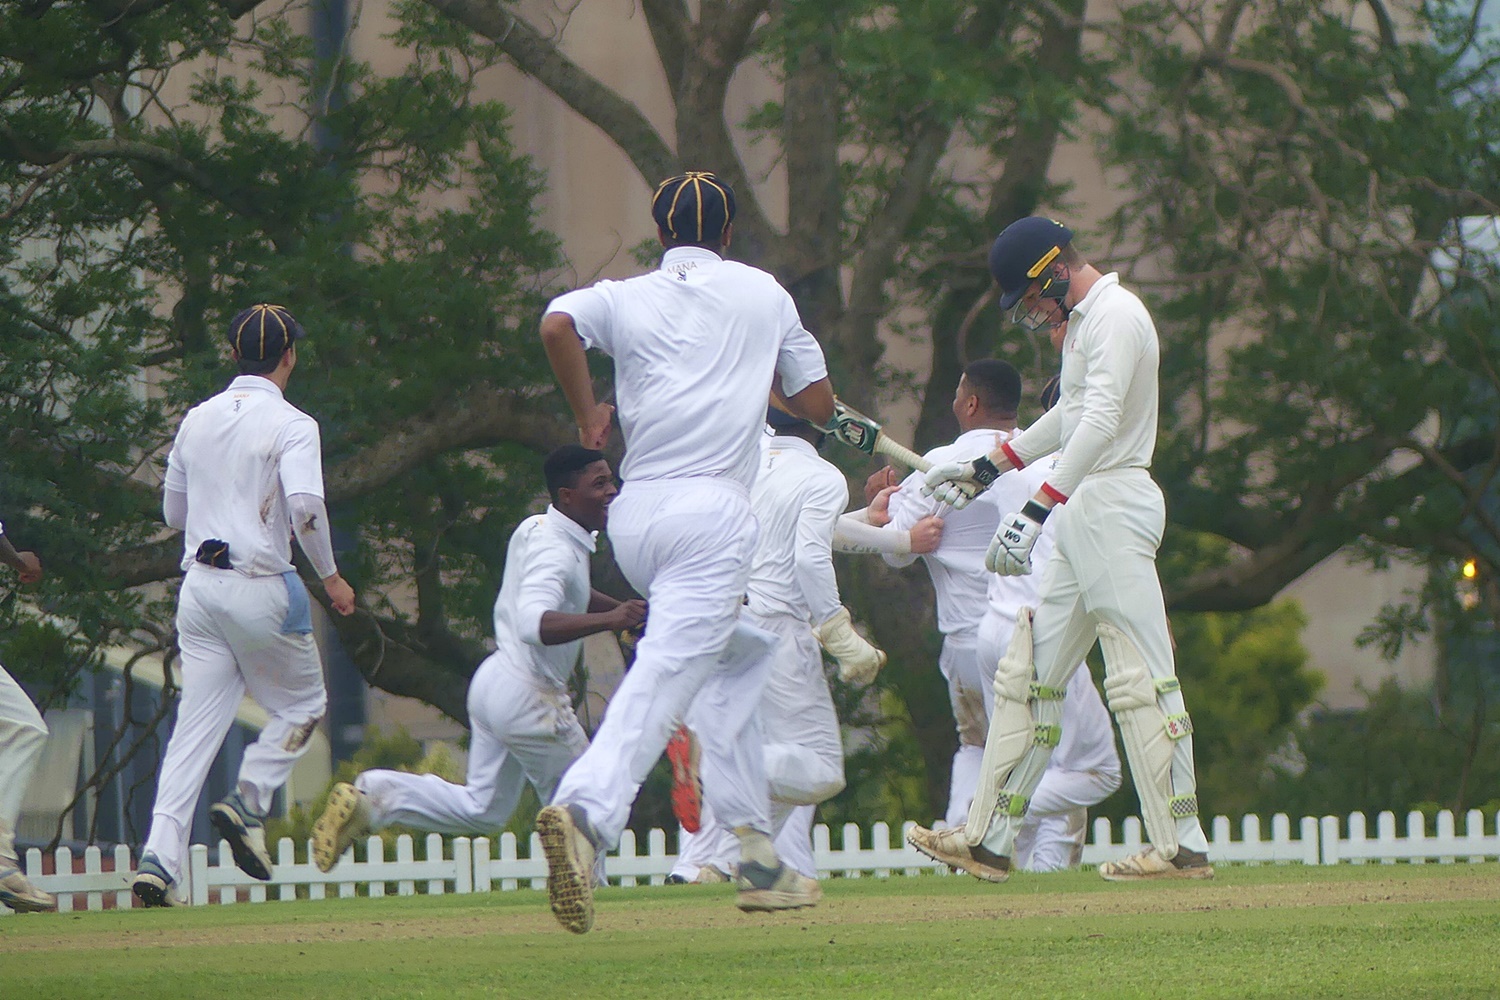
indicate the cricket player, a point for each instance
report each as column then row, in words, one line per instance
column 23, row 736
column 521, row 722
column 798, row 499
column 985, row 405
column 245, row 472
column 1101, row 582
column 697, row 345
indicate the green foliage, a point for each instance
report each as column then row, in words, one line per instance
column 159, row 170
column 1398, row 754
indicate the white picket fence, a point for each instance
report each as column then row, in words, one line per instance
column 482, row 865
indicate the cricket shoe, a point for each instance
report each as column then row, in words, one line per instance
column 687, row 781
column 152, row 885
column 779, row 888
column 952, row 848
column 246, row 833
column 17, row 892
column 1149, row 865
column 570, row 865
column 345, row 819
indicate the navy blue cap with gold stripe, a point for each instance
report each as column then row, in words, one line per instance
column 693, row 207
column 263, row 331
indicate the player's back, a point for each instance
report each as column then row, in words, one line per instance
column 796, row 499
column 230, row 448
column 695, row 344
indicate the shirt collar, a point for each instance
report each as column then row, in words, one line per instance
column 785, row 442
column 1105, row 281
column 255, row 382
column 571, row 528
column 991, row 433
column 686, row 258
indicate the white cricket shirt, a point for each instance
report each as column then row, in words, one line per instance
column 957, row 568
column 546, row 569
column 695, row 344
column 1106, row 418
column 797, row 498
column 237, row 457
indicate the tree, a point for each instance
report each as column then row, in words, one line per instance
column 161, row 166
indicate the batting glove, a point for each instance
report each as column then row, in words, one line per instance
column 956, row 483
column 1010, row 550
column 859, row 661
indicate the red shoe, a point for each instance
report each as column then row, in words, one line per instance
column 687, row 783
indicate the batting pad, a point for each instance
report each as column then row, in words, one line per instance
column 1010, row 734
column 1149, row 735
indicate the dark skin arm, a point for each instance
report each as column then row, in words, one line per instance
column 24, row 563
column 558, row 627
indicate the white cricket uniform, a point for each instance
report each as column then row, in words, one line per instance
column 237, row 457
column 1109, row 527
column 958, row 582
column 521, row 722
column 23, row 736
column 696, row 344
column 797, row 499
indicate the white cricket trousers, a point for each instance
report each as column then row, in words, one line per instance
column 237, row 634
column 1104, row 570
column 804, row 752
column 685, row 544
column 23, row 736
column 521, row 728
column 959, row 664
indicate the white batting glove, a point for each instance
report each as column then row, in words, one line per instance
column 859, row 660
column 956, row 483
column 1010, row 550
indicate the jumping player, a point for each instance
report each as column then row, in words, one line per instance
column 521, row 722
column 697, row 345
column 1102, row 581
column 244, row 473
column 23, row 736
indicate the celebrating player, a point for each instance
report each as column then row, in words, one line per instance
column 696, row 345
column 1102, row 582
column 245, row 468
column 797, row 500
column 23, row 735
column 521, row 722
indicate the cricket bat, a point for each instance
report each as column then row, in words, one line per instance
column 862, row 433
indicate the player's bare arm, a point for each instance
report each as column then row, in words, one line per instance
column 558, row 627
column 24, row 563
column 570, row 365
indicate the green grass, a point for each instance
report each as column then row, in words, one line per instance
column 1350, row 931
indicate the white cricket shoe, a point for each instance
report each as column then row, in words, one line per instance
column 779, row 888
column 152, row 885
column 17, row 892
column 345, row 819
column 1148, row 865
column 570, row 866
column 951, row 848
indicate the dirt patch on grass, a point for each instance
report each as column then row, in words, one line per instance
column 661, row 910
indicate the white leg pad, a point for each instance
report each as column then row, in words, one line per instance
column 1011, row 728
column 1149, row 735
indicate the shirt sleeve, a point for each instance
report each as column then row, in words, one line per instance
column 1041, row 438
column 800, row 360
column 301, row 457
column 544, row 570
column 592, row 310
column 1110, row 356
column 815, row 527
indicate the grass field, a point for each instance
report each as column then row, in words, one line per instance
column 1348, row 931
